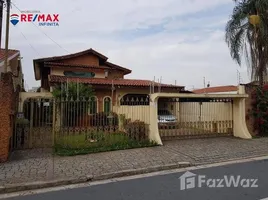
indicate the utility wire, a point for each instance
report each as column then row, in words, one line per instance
column 43, row 31
column 34, row 49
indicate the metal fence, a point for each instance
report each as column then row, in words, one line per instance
column 33, row 126
column 79, row 123
column 194, row 117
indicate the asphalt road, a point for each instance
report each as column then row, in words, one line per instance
column 168, row 186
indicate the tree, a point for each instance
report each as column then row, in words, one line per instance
column 74, row 91
column 74, row 101
column 247, row 36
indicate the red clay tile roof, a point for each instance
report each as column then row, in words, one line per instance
column 36, row 62
column 11, row 52
column 103, row 81
column 54, row 58
column 72, row 65
column 229, row 88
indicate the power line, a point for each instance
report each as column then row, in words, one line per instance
column 43, row 32
column 34, row 49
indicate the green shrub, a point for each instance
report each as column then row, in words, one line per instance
column 104, row 119
column 259, row 110
column 136, row 130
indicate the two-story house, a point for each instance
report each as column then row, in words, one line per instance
column 91, row 67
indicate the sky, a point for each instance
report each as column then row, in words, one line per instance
column 178, row 41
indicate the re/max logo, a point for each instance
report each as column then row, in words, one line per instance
column 39, row 17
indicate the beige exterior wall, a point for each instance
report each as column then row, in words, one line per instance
column 58, row 72
column 141, row 113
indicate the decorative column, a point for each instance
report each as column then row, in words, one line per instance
column 153, row 127
column 239, row 116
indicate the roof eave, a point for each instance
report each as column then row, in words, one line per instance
column 72, row 56
column 117, row 67
column 61, row 65
column 127, row 72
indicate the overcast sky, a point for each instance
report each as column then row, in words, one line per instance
column 180, row 40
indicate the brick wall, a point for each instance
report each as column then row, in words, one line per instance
column 6, row 107
column 83, row 60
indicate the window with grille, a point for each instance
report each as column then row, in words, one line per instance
column 107, row 104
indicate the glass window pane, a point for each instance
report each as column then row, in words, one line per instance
column 107, row 105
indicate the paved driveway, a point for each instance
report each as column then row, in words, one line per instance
column 40, row 165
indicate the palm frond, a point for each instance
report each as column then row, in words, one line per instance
column 249, row 41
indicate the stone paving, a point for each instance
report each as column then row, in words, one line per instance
column 40, row 165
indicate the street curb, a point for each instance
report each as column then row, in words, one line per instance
column 62, row 182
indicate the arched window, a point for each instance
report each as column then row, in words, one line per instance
column 107, row 104
column 93, row 105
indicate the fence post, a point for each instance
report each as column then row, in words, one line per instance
column 31, row 124
column 53, row 122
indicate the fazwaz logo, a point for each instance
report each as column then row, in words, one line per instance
column 14, row 19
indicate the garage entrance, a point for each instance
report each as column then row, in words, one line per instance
column 194, row 117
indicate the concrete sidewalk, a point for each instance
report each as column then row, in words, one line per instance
column 33, row 167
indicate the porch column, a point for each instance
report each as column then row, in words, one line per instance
column 153, row 128
column 239, row 119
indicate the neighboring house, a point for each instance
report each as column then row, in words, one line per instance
column 14, row 66
column 229, row 89
column 34, row 89
column 93, row 68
